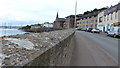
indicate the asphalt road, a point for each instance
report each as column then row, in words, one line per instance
column 94, row 50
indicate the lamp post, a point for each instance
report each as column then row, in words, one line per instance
column 68, row 22
column 75, row 13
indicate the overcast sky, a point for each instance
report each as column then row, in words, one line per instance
column 23, row 12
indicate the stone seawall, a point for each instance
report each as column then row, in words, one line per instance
column 37, row 49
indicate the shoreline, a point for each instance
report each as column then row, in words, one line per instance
column 11, row 32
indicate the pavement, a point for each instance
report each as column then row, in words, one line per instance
column 93, row 49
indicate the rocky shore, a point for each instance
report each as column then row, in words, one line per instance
column 17, row 50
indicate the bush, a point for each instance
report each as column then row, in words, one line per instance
column 80, row 28
column 72, row 28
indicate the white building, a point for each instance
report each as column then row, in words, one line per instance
column 47, row 24
column 108, row 17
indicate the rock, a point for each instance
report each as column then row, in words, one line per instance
column 22, row 48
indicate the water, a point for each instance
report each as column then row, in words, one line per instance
column 7, row 32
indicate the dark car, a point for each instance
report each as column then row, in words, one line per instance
column 89, row 29
column 84, row 29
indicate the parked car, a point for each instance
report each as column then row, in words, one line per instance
column 84, row 29
column 114, row 31
column 89, row 29
column 95, row 30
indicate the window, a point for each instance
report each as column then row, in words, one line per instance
column 112, row 29
column 100, row 19
column 86, row 21
column 87, row 17
column 116, row 15
column 83, row 26
column 86, row 26
column 95, row 25
column 104, row 18
column 107, row 17
column 119, row 30
column 91, row 26
column 95, row 21
column 111, row 16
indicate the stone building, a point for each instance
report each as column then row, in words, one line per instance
column 70, row 20
column 109, row 17
column 59, row 22
column 88, row 20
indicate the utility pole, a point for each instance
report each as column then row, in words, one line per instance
column 75, row 13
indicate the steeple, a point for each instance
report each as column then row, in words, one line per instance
column 57, row 15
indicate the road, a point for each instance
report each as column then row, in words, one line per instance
column 94, row 50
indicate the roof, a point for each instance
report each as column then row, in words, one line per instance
column 91, row 14
column 78, row 15
column 112, row 9
column 60, row 19
column 70, row 16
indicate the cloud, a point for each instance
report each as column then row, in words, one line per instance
column 45, row 10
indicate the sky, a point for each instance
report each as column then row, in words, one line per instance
column 27, row 12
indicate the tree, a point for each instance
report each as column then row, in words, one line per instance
column 95, row 10
column 87, row 12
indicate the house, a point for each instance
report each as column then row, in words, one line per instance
column 36, row 26
column 59, row 22
column 109, row 17
column 48, row 25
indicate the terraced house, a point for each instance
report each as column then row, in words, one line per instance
column 88, row 21
column 108, row 18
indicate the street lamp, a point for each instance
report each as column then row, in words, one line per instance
column 75, row 13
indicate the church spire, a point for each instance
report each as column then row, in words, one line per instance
column 57, row 15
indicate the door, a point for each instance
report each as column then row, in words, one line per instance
column 103, row 29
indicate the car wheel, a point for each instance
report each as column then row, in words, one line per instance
column 115, row 36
